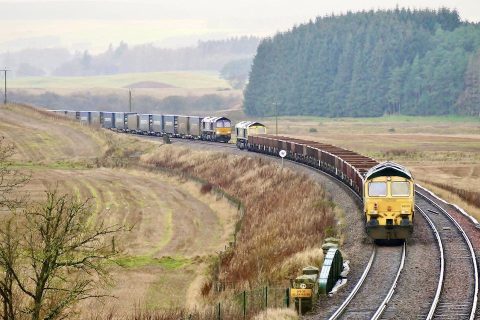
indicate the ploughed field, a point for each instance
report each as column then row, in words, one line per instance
column 443, row 153
column 165, row 253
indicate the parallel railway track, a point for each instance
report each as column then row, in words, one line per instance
column 457, row 291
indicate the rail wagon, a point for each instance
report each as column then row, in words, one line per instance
column 195, row 127
column 108, row 120
column 96, row 118
column 157, row 124
column 182, row 126
column 74, row 115
column 216, row 129
column 133, row 123
column 170, row 125
column 84, row 117
column 121, row 123
column 145, row 123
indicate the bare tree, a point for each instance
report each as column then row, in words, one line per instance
column 8, row 257
column 10, row 178
column 10, row 181
column 60, row 256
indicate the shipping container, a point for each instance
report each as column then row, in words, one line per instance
column 132, row 123
column 108, row 120
column 170, row 125
column 85, row 117
column 145, row 123
column 157, row 124
column 95, row 118
column 121, row 120
column 195, row 126
column 74, row 115
column 182, row 126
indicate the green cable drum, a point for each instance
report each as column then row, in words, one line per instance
column 332, row 267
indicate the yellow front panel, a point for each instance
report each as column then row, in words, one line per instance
column 389, row 206
column 223, row 131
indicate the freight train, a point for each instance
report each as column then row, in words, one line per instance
column 387, row 189
column 206, row 128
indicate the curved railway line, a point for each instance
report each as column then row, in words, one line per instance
column 454, row 295
column 374, row 296
column 457, row 291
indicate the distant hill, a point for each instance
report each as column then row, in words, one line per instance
column 415, row 62
column 207, row 55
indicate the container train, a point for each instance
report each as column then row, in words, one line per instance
column 387, row 189
column 206, row 128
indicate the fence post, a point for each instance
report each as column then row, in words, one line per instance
column 266, row 297
column 244, row 304
column 287, row 297
column 219, row 312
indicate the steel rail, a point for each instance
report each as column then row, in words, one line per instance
column 357, row 287
column 433, row 307
column 469, row 244
column 385, row 302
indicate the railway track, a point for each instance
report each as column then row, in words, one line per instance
column 457, row 290
column 370, row 296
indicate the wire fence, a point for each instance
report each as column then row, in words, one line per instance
column 246, row 304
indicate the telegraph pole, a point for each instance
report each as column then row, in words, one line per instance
column 5, row 90
column 130, row 99
column 276, row 117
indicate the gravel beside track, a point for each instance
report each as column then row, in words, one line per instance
column 458, row 290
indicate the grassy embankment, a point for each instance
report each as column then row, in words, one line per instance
column 178, row 226
column 443, row 152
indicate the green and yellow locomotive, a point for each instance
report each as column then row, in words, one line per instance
column 389, row 201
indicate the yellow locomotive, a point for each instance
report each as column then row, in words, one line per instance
column 389, row 201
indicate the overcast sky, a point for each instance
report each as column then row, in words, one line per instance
column 93, row 25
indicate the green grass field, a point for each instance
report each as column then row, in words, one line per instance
column 180, row 79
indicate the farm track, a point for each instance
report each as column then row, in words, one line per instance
column 457, row 298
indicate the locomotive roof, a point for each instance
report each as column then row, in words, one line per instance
column 214, row 119
column 247, row 124
column 388, row 168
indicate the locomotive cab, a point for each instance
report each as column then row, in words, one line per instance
column 216, row 129
column 389, row 202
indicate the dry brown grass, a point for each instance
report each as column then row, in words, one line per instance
column 471, row 197
column 286, row 213
column 277, row 314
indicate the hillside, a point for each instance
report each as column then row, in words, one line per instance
column 169, row 242
column 369, row 64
